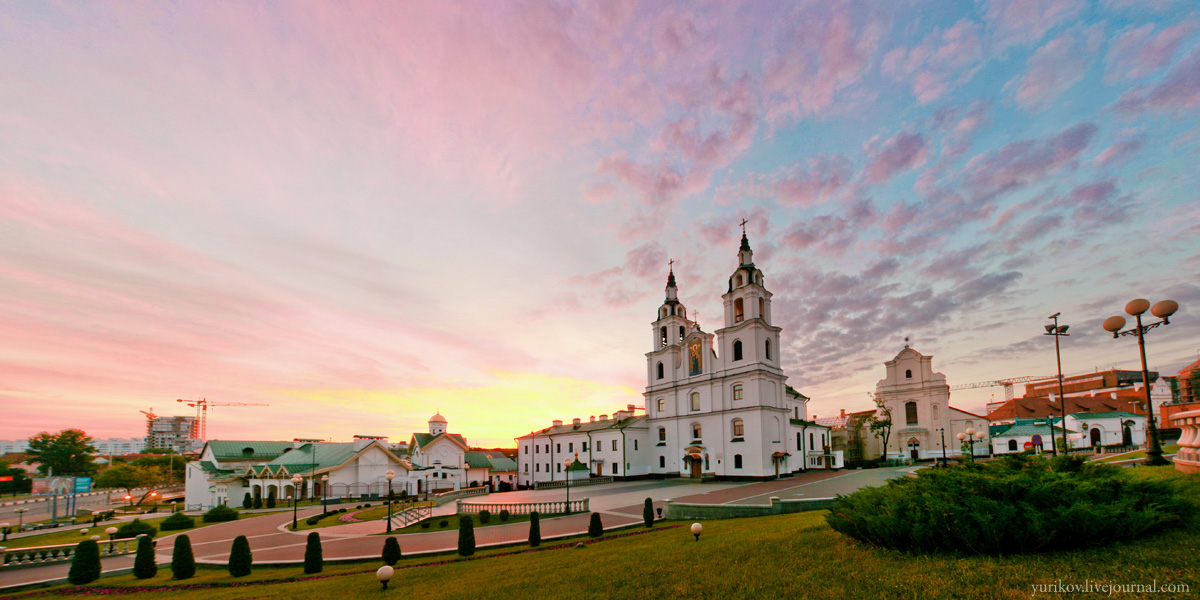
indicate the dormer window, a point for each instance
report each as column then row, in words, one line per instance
column 908, row 373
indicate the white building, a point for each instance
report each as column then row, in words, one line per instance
column 1038, row 435
column 1107, row 429
column 919, row 402
column 717, row 404
column 118, row 447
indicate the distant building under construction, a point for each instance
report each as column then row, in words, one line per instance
column 180, row 434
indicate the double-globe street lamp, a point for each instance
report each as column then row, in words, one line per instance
column 296, row 479
column 567, row 462
column 1058, row 331
column 325, row 493
column 970, row 437
column 1162, row 310
column 389, row 475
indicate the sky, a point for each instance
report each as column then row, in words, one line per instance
column 364, row 213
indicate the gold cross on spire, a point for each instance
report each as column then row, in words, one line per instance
column 744, row 221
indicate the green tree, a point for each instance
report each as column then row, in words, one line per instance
column 271, row 499
column 535, row 530
column 143, row 564
column 595, row 527
column 126, row 477
column 68, row 452
column 240, row 557
column 85, row 565
column 183, row 562
column 20, row 480
column 466, row 536
column 314, row 561
column 648, row 512
column 247, row 502
column 391, row 551
column 880, row 424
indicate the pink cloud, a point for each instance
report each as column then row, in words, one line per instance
column 1015, row 22
column 902, row 152
column 1179, row 90
column 1021, row 163
column 1055, row 67
column 1121, row 150
column 822, row 178
column 1138, row 52
column 939, row 63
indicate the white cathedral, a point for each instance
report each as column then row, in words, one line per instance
column 717, row 405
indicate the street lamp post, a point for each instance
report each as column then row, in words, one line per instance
column 389, row 475
column 112, row 533
column 567, row 471
column 296, row 479
column 970, row 437
column 20, row 518
column 1058, row 331
column 325, row 493
column 945, row 459
column 1162, row 310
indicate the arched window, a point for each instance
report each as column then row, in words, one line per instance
column 662, row 314
column 737, row 461
column 910, row 413
column 660, row 370
column 737, row 350
column 739, row 281
column 762, row 308
column 695, row 432
column 695, row 400
column 1012, row 445
column 662, row 405
column 737, row 392
column 662, row 461
column 908, row 373
column 738, row 312
column 662, row 434
column 662, row 337
column 739, row 428
column 768, row 354
column 681, row 333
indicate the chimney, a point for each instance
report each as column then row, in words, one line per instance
column 592, row 419
column 558, row 422
column 629, row 408
column 575, row 422
column 843, row 415
column 603, row 417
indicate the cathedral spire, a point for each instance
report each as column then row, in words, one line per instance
column 672, row 291
column 745, row 254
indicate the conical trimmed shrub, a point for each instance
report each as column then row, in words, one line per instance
column 391, row 551
column 313, row 559
column 144, row 566
column 466, row 536
column 535, row 530
column 183, row 562
column 85, row 565
column 247, row 501
column 648, row 512
column 240, row 557
column 595, row 527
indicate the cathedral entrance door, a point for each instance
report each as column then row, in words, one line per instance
column 914, row 448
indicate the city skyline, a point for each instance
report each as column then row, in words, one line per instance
column 364, row 214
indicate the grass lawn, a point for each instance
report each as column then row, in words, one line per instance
column 1169, row 449
column 787, row 556
column 377, row 511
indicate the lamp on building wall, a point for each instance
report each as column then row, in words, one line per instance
column 1162, row 310
column 1058, row 331
column 296, row 479
column 389, row 475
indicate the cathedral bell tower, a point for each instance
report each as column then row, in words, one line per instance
column 667, row 334
column 748, row 333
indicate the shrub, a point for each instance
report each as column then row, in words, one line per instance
column 535, row 530
column 183, row 562
column 135, row 528
column 404, row 494
column 240, row 557
column 368, row 505
column 341, row 510
column 85, row 565
column 425, row 524
column 271, row 500
column 143, row 564
column 484, row 517
column 1018, row 504
column 313, row 559
column 220, row 513
column 595, row 527
column 247, row 501
column 258, row 503
column 391, row 551
column 466, row 536
column 504, row 515
column 648, row 512
column 177, row 521
column 443, row 523
column 313, row 520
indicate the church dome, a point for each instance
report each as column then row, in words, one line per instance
column 438, row 418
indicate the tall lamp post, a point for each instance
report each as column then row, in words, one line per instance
column 1058, row 331
column 970, row 437
column 567, row 472
column 389, row 475
column 296, row 479
column 325, row 493
column 20, row 517
column 945, row 460
column 1162, row 310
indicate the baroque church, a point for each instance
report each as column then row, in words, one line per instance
column 717, row 405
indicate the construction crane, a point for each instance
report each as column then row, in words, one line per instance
column 150, row 417
column 202, row 411
column 1007, row 383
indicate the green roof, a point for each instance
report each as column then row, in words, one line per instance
column 248, row 450
column 1120, row 414
column 578, row 466
column 424, row 439
column 323, row 455
column 791, row 391
column 590, row 426
column 1022, row 430
column 803, row 423
column 502, row 464
column 477, row 460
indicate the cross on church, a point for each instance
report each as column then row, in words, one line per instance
column 744, row 221
column 671, row 264
column 906, row 342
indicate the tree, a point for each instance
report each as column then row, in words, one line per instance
column 466, row 536
column 247, row 502
column 240, row 557
column 648, row 512
column 595, row 527
column 391, row 551
column 258, row 501
column 880, row 423
column 68, row 452
column 143, row 564
column 85, row 565
column 126, row 477
column 313, row 559
column 271, row 499
column 535, row 530
column 20, row 480
column 183, row 562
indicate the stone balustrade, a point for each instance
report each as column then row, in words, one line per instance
column 444, row 497
column 1187, row 459
column 13, row 558
column 541, row 485
column 523, row 508
column 687, row 511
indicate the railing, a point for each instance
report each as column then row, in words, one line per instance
column 43, row 555
column 541, row 485
column 523, row 508
column 444, row 497
column 410, row 516
column 1187, row 459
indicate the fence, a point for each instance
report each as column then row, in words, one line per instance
column 444, row 497
column 677, row 510
column 43, row 555
column 412, row 515
column 523, row 508
column 541, row 485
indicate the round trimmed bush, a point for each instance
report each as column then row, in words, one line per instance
column 177, row 521
column 1018, row 504
column 220, row 513
column 504, row 515
column 484, row 517
column 425, row 524
column 443, row 523
column 313, row 520
column 135, row 528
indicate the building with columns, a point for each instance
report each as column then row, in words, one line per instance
column 922, row 418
